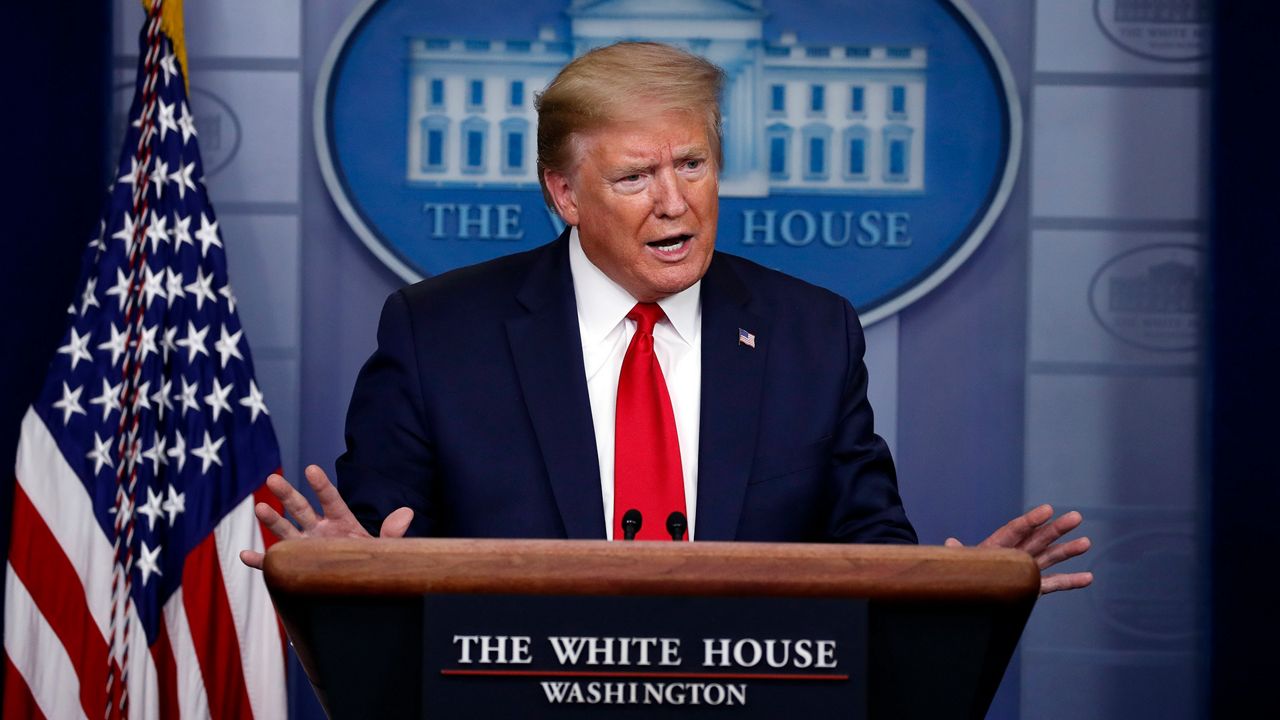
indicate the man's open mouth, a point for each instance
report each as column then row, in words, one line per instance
column 670, row 244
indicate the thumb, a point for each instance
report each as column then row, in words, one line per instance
column 397, row 523
column 252, row 559
column 952, row 542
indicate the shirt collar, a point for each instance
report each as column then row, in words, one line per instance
column 603, row 303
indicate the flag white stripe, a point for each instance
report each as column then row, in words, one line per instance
column 144, row 683
column 34, row 649
column 261, row 654
column 193, row 702
column 64, row 505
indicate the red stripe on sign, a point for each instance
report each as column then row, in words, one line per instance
column 264, row 495
column 166, row 672
column 213, row 633
column 38, row 560
column 18, row 700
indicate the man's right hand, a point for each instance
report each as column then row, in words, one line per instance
column 335, row 519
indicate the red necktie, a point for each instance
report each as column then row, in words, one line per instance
column 647, row 475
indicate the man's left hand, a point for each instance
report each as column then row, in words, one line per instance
column 1034, row 533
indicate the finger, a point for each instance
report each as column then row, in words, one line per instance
column 952, row 542
column 252, row 558
column 1065, row 581
column 1063, row 551
column 1046, row 535
column 331, row 502
column 294, row 502
column 397, row 523
column 1017, row 530
column 268, row 516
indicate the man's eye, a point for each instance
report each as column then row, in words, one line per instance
column 693, row 164
column 629, row 178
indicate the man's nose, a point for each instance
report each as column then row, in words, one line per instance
column 668, row 195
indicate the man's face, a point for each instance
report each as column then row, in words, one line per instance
column 644, row 198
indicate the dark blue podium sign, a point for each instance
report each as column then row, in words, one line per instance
column 495, row 656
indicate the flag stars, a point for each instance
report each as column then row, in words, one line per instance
column 165, row 117
column 187, row 124
column 141, row 401
column 77, row 347
column 176, row 503
column 100, row 454
column 207, row 235
column 116, row 344
column 227, row 347
column 173, row 286
column 153, row 283
column 157, row 232
column 151, row 508
column 193, row 342
column 136, row 171
column 217, row 399
column 181, row 177
column 126, row 232
column 169, row 64
column 147, row 562
column 161, row 396
column 123, row 506
column 202, row 289
column 225, row 291
column 181, row 232
column 89, row 298
column 254, row 402
column 179, row 451
column 156, row 453
column 188, row 396
column 148, row 342
column 109, row 399
column 208, row 453
column 70, row 402
column 169, row 343
column 121, row 288
column 160, row 175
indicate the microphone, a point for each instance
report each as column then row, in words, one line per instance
column 676, row 525
column 631, row 522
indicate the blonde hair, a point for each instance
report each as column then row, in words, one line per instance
column 603, row 85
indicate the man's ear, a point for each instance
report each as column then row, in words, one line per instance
column 562, row 196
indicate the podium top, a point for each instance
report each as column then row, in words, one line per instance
column 596, row 567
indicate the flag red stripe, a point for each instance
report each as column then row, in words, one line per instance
column 18, row 700
column 166, row 672
column 39, row 562
column 213, row 633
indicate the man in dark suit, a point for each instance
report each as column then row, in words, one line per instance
column 625, row 366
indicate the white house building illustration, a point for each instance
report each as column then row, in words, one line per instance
column 799, row 118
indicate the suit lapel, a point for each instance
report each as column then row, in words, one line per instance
column 732, row 377
column 546, row 348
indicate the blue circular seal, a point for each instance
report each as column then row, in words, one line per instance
column 869, row 147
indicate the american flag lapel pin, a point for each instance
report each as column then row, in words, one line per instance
column 746, row 338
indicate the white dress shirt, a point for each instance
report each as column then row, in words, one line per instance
column 606, row 332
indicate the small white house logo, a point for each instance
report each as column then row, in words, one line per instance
column 1151, row 297
column 869, row 147
column 1149, row 584
column 1169, row 30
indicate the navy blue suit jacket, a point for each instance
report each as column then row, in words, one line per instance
column 474, row 411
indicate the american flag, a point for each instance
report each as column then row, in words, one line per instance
column 140, row 462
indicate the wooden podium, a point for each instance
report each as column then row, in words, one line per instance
column 486, row 628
